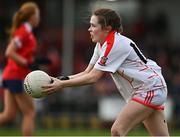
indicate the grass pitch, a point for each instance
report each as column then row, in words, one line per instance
column 76, row 132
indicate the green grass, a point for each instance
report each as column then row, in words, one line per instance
column 75, row 132
column 56, row 132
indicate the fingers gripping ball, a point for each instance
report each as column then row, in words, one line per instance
column 34, row 81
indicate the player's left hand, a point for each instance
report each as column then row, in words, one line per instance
column 54, row 86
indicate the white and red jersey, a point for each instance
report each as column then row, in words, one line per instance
column 130, row 70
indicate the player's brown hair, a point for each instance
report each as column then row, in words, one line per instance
column 23, row 14
column 108, row 17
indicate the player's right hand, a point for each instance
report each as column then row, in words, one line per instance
column 54, row 86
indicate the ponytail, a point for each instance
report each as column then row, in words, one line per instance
column 22, row 15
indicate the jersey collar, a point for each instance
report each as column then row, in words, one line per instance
column 108, row 37
column 28, row 26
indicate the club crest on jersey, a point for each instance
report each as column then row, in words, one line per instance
column 103, row 60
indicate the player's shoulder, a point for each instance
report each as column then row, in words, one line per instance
column 123, row 39
column 22, row 30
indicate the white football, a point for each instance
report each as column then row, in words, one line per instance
column 34, row 81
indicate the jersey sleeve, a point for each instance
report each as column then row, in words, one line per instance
column 95, row 56
column 114, row 59
column 19, row 37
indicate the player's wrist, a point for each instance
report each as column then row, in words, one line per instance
column 63, row 77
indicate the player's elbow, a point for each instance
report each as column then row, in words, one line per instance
column 94, row 78
column 9, row 52
column 95, row 75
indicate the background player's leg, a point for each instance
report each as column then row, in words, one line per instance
column 27, row 108
column 156, row 124
column 10, row 107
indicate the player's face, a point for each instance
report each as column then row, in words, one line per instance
column 96, row 31
column 35, row 19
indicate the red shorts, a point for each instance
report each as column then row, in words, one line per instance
column 154, row 99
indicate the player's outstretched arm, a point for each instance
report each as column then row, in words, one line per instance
column 87, row 70
column 88, row 78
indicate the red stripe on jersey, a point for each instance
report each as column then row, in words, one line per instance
column 149, row 97
column 146, row 67
column 152, row 96
column 110, row 42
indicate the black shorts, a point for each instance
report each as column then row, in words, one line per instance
column 15, row 86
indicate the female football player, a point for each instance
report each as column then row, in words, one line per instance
column 20, row 56
column 139, row 80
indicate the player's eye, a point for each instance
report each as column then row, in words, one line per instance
column 92, row 25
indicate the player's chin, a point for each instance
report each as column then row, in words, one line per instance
column 36, row 24
column 93, row 40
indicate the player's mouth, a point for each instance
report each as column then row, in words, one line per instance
column 91, row 36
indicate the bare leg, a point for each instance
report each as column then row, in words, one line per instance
column 132, row 114
column 156, row 124
column 10, row 108
column 27, row 108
